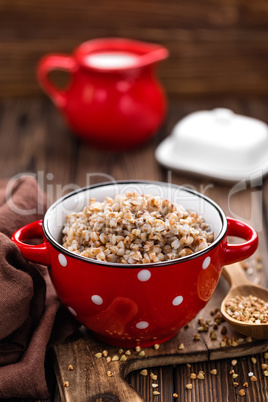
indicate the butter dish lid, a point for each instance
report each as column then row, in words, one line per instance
column 219, row 144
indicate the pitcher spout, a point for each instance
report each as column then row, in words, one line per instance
column 155, row 55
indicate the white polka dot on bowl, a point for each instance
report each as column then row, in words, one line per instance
column 72, row 311
column 62, row 260
column 144, row 275
column 142, row 325
column 206, row 263
column 97, row 300
column 177, row 301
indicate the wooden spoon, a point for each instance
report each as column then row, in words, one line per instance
column 241, row 286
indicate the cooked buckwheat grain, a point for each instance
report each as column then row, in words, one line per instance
column 135, row 229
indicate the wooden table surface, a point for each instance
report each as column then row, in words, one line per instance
column 35, row 139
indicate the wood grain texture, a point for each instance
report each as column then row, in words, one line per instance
column 35, row 139
column 215, row 47
column 89, row 380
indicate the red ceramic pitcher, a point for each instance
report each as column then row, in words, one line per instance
column 114, row 99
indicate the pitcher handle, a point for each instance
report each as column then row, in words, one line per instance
column 36, row 253
column 238, row 252
column 49, row 63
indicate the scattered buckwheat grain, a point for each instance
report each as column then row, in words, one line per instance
column 200, row 376
column 144, row 372
column 123, row 358
column 115, row 358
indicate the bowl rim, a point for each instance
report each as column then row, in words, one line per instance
column 175, row 261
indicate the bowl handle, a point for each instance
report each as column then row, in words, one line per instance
column 49, row 63
column 36, row 253
column 238, row 252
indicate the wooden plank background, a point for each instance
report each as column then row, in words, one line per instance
column 216, row 46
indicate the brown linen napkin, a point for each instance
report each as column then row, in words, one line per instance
column 31, row 316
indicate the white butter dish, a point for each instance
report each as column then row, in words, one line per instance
column 219, row 144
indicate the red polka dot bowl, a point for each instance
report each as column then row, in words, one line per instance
column 141, row 304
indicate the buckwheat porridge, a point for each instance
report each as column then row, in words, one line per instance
column 135, row 229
